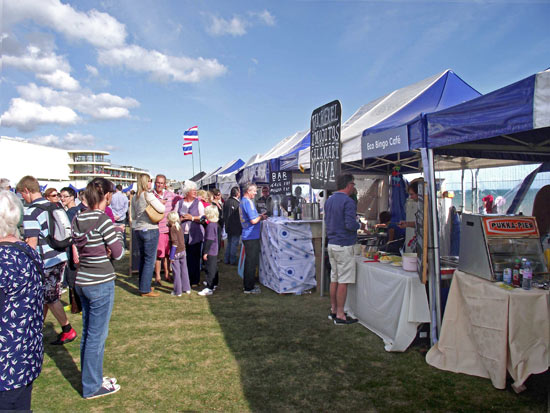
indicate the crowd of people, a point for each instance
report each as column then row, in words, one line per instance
column 179, row 233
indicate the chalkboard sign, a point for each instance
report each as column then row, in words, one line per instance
column 280, row 183
column 325, row 154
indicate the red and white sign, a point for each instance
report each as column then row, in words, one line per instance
column 510, row 226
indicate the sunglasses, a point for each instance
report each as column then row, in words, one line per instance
column 53, row 195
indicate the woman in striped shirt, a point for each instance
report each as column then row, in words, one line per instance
column 98, row 242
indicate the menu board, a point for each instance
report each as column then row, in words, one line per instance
column 325, row 154
column 280, row 183
column 422, row 233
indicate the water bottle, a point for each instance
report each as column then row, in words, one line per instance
column 527, row 276
column 275, row 208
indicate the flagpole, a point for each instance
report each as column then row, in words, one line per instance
column 200, row 163
column 193, row 162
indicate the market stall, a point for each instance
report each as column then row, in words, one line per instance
column 389, row 301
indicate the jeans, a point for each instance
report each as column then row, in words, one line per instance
column 147, row 245
column 251, row 262
column 231, row 249
column 97, row 305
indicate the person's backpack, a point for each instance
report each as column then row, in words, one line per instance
column 59, row 226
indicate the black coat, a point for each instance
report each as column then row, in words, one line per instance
column 232, row 217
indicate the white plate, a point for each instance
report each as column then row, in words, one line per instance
column 397, row 264
column 385, row 262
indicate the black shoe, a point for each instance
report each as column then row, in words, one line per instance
column 332, row 316
column 348, row 320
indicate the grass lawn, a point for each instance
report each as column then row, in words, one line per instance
column 232, row 352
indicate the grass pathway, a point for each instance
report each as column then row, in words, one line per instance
column 232, row 352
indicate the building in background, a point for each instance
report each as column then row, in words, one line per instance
column 57, row 167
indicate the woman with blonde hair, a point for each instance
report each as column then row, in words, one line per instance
column 210, row 250
column 147, row 233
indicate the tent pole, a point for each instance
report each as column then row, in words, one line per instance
column 323, row 237
column 463, row 206
column 436, row 270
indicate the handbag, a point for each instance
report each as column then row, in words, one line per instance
column 153, row 214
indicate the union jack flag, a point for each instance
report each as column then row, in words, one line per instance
column 187, row 148
column 191, row 134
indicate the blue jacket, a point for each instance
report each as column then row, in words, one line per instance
column 340, row 219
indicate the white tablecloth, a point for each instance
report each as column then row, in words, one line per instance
column 388, row 301
column 488, row 330
column 287, row 259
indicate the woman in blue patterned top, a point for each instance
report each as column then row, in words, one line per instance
column 21, row 310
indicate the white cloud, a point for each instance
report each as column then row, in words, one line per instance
column 100, row 106
column 37, row 61
column 60, row 80
column 92, row 70
column 99, row 29
column 162, row 67
column 69, row 141
column 26, row 115
column 234, row 27
column 265, row 16
column 238, row 25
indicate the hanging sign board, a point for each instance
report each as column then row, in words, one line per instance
column 325, row 155
column 390, row 141
column 280, row 183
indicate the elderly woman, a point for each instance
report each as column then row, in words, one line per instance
column 147, row 233
column 190, row 210
column 21, row 309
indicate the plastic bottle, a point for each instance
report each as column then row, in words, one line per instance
column 507, row 276
column 523, row 261
column 275, row 208
column 527, row 276
column 515, row 273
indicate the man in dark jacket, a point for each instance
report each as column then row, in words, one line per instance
column 232, row 226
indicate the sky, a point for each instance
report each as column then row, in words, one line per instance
column 130, row 76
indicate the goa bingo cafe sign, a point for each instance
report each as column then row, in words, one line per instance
column 386, row 142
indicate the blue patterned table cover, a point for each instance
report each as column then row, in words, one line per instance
column 287, row 259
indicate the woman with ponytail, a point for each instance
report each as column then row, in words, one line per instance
column 98, row 243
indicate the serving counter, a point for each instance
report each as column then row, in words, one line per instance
column 287, row 259
column 488, row 331
column 389, row 301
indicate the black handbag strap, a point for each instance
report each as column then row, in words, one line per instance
column 24, row 251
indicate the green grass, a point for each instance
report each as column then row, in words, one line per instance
column 232, row 352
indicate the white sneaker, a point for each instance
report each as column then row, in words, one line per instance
column 110, row 380
column 177, row 295
column 206, row 291
column 187, row 292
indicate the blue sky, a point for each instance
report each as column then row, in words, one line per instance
column 130, row 76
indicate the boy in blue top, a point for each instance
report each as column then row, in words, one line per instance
column 342, row 226
column 250, row 221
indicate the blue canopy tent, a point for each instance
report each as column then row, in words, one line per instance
column 259, row 170
column 510, row 125
column 398, row 108
column 211, row 179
